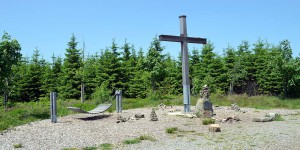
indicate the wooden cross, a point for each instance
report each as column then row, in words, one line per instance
column 184, row 40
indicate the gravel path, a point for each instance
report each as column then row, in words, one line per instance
column 85, row 130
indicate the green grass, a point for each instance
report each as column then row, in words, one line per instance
column 90, row 148
column 139, row 139
column 147, row 137
column 278, row 117
column 258, row 102
column 19, row 145
column 171, row 130
column 106, row 146
column 207, row 121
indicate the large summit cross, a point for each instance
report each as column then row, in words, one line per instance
column 184, row 40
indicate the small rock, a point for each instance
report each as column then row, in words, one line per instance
column 121, row 119
column 236, row 118
column 162, row 106
column 189, row 116
column 139, row 115
column 235, row 107
column 271, row 115
column 214, row 128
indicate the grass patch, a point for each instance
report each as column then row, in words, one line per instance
column 278, row 117
column 19, row 145
column 259, row 102
column 200, row 134
column 171, row 130
column 90, row 148
column 106, row 146
column 147, row 137
column 132, row 141
column 139, row 139
column 207, row 121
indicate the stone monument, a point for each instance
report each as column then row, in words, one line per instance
column 204, row 106
column 153, row 116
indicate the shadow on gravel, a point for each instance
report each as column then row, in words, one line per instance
column 95, row 117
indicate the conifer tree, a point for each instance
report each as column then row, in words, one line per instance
column 154, row 63
column 90, row 72
column 139, row 83
column 20, row 80
column 34, row 83
column 71, row 82
column 287, row 68
column 171, row 84
column 246, row 59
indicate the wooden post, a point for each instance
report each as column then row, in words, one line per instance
column 184, row 40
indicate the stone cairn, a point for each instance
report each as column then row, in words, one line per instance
column 153, row 116
column 204, row 106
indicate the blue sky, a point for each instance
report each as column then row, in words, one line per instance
column 49, row 24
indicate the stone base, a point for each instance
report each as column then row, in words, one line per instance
column 207, row 114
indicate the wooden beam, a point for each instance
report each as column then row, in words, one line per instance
column 172, row 38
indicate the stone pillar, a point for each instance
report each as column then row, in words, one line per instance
column 204, row 106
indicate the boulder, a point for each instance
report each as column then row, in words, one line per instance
column 199, row 108
column 269, row 117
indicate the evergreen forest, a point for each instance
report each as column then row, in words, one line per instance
column 259, row 68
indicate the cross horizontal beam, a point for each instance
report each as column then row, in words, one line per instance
column 172, row 38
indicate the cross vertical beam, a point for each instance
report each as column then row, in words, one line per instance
column 185, row 66
column 184, row 40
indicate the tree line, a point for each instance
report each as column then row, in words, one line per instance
column 258, row 69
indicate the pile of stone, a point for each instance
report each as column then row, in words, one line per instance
column 135, row 117
column 204, row 107
column 153, row 116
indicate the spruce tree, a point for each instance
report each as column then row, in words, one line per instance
column 139, row 83
column 71, row 82
column 171, row 84
column 34, row 83
column 154, row 63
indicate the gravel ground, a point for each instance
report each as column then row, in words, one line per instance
column 86, row 130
